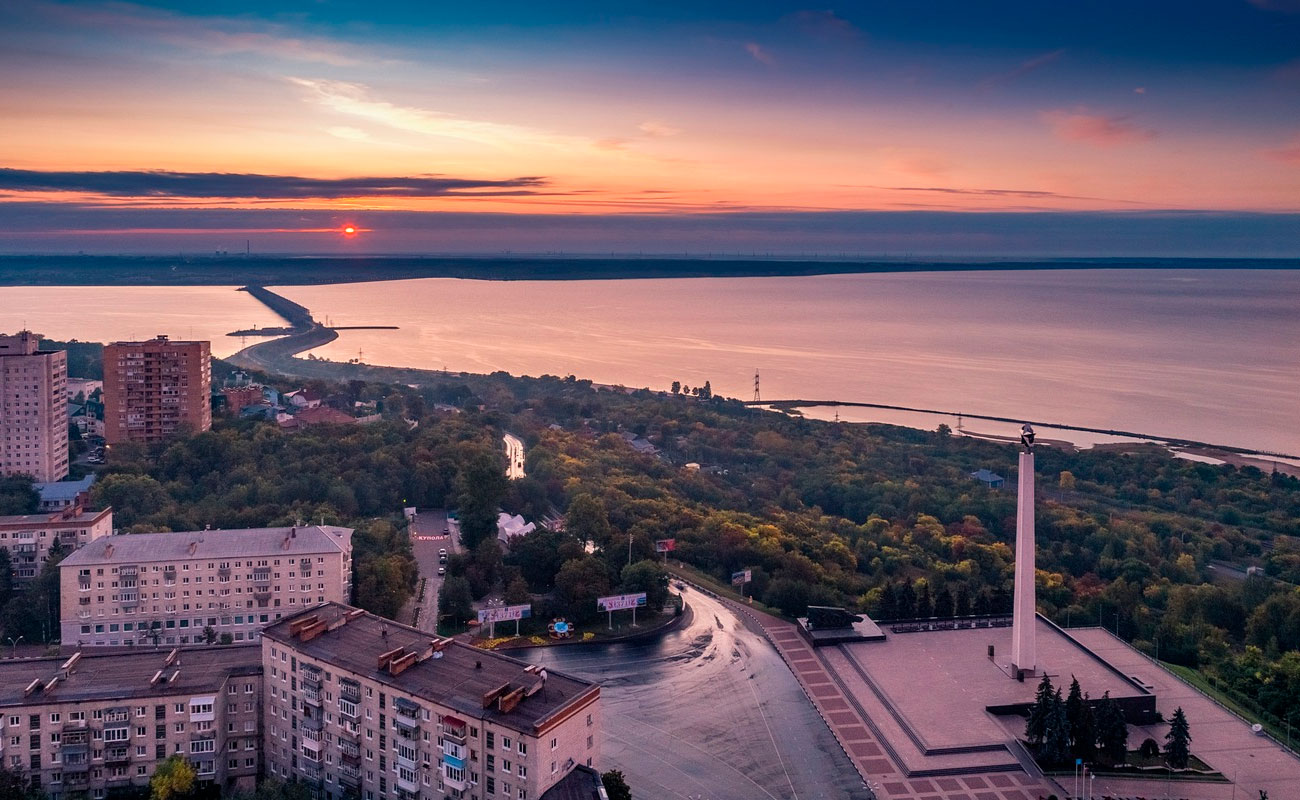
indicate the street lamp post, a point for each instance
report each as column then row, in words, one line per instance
column 14, row 644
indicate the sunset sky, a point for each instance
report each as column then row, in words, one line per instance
column 447, row 127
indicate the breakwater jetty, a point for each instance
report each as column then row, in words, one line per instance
column 304, row 333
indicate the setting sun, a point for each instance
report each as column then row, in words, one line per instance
column 349, row 230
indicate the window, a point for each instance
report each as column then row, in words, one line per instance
column 523, row 747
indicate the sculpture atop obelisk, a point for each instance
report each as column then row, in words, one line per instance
column 1023, row 623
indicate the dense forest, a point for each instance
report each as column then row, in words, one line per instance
column 882, row 519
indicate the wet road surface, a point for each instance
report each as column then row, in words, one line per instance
column 709, row 712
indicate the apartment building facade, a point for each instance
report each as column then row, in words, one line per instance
column 93, row 724
column 154, row 388
column 33, row 408
column 361, row 708
column 29, row 537
column 168, row 588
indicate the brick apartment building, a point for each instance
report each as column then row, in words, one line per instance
column 358, row 706
column 29, row 537
column 165, row 588
column 152, row 389
column 92, row 724
column 33, row 408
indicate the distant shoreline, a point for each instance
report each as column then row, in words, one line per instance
column 305, row 270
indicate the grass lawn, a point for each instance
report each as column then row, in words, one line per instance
column 1198, row 680
column 714, row 585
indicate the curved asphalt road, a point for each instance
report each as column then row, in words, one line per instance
column 709, row 712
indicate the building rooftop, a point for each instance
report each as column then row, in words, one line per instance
column 64, row 490
column 247, row 542
column 582, row 783
column 476, row 683
column 47, row 517
column 125, row 676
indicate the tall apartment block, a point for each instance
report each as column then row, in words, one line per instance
column 33, row 408
column 94, row 725
column 358, row 706
column 166, row 588
column 153, row 388
column 29, row 537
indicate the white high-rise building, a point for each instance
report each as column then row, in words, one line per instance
column 33, row 408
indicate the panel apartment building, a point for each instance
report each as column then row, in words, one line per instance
column 153, row 388
column 165, row 588
column 29, row 537
column 93, row 724
column 358, row 706
column 33, row 408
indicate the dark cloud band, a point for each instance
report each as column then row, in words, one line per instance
column 158, row 183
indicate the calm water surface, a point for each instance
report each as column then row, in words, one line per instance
column 1207, row 355
column 1212, row 355
column 128, row 313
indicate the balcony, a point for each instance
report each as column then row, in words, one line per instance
column 350, row 690
column 312, row 723
column 409, row 785
column 117, row 756
column 261, row 576
column 454, row 729
column 311, row 695
column 128, row 571
column 223, row 572
column 83, row 583
column 406, row 708
column 349, row 775
column 407, row 729
column 76, row 780
column 454, row 776
column 262, row 593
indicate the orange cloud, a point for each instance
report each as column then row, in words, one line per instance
column 1290, row 154
column 1103, row 130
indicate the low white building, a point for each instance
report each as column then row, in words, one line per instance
column 510, row 526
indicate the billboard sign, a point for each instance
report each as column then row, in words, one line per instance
column 743, row 576
column 665, row 545
column 503, row 613
column 620, row 602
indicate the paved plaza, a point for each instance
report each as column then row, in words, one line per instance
column 880, row 748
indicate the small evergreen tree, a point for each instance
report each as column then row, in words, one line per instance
column 1112, row 731
column 906, row 600
column 1056, row 732
column 1178, row 741
column 888, row 606
column 1036, row 727
column 924, row 602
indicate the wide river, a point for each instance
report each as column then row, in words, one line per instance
column 1209, row 355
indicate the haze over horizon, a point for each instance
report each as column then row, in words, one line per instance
column 877, row 130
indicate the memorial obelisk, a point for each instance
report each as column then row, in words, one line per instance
column 1023, row 656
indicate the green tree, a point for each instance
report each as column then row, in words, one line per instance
column 209, row 634
column 14, row 785
column 18, row 495
column 647, row 576
column 133, row 497
column 172, row 779
column 587, row 521
column 578, row 584
column 1178, row 741
column 677, row 387
column 1039, row 712
column 1112, row 731
column 455, row 602
column 517, row 593
column 1056, row 733
column 481, row 483
column 616, row 785
column 540, row 554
